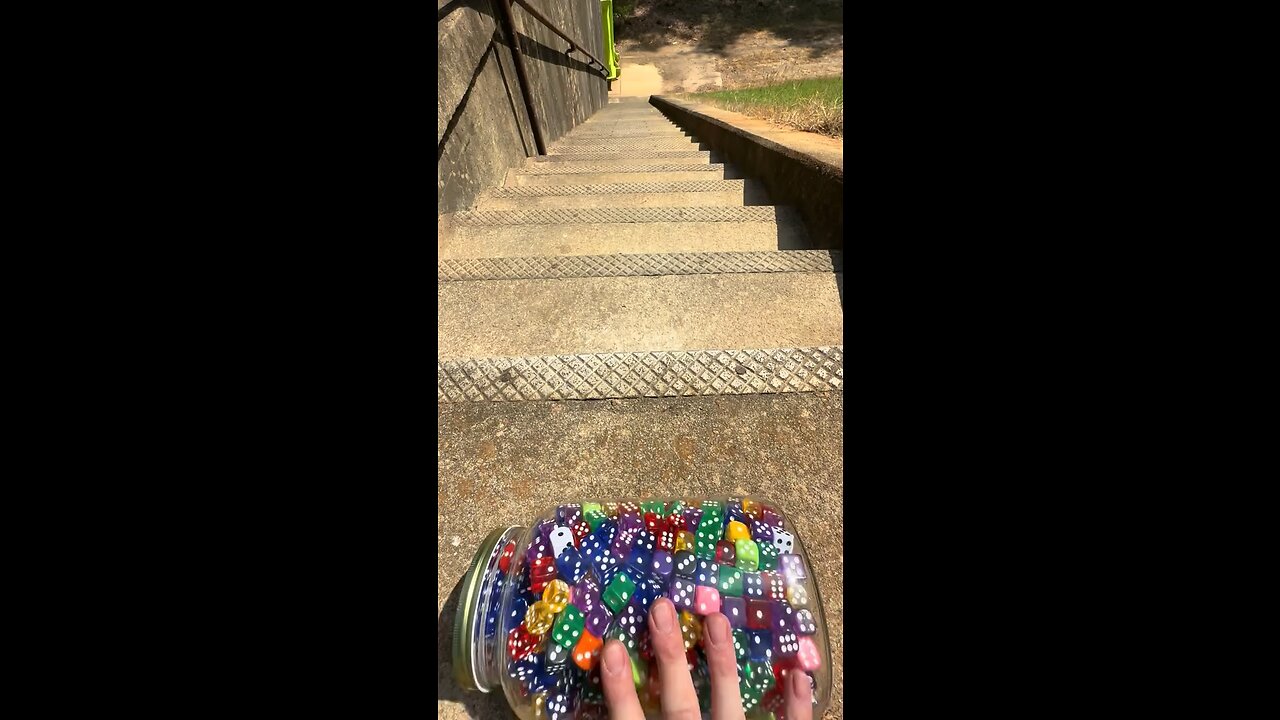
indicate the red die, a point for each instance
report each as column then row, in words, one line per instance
column 508, row 552
column 725, row 552
column 580, row 529
column 666, row 538
column 775, row 588
column 520, row 643
column 651, row 522
column 541, row 572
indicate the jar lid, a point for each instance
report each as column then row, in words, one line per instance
column 469, row 613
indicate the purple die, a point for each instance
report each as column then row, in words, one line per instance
column 785, row 644
column 782, row 617
column 752, row 585
column 539, row 547
column 734, row 512
column 597, row 621
column 681, row 593
column 804, row 623
column 622, row 543
column 735, row 609
column 662, row 564
column 761, row 532
column 570, row 566
column 792, row 567
column 771, row 517
column 708, row 573
column 544, row 527
column 759, row 645
column 692, row 516
column 631, row 521
column 586, row 594
column 633, row 618
column 566, row 514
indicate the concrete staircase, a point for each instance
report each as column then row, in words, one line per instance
column 631, row 262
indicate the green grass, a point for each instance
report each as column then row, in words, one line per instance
column 814, row 105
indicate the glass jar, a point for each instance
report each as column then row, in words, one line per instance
column 538, row 603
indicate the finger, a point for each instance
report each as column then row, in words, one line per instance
column 717, row 642
column 619, row 687
column 799, row 696
column 679, row 701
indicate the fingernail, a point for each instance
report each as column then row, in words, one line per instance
column 800, row 685
column 663, row 616
column 718, row 630
column 613, row 660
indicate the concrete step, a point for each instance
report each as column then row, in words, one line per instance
column 637, row 265
column 719, row 193
column 575, row 145
column 520, row 318
column 614, row 230
column 539, row 176
column 626, row 132
column 604, row 161
column 621, row 157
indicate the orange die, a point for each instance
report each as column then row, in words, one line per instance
column 587, row 651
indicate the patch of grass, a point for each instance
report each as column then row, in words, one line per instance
column 813, row 105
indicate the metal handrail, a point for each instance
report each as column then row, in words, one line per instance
column 573, row 44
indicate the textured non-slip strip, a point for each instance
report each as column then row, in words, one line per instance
column 577, row 266
column 622, row 157
column 578, row 216
column 641, row 374
column 685, row 186
column 558, row 169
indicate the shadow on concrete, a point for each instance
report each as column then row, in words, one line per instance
column 712, row 25
column 535, row 50
column 478, row 705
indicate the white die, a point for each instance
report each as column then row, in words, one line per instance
column 561, row 538
column 783, row 541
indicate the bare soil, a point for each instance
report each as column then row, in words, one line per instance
column 699, row 45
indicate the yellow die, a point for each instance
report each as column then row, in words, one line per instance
column 736, row 531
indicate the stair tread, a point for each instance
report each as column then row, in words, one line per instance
column 489, row 318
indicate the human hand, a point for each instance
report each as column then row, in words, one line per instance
column 679, row 701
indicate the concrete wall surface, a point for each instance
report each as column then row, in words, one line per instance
column 482, row 126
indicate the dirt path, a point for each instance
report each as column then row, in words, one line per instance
column 756, row 58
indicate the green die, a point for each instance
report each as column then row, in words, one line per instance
column 588, row 507
column 750, row 695
column 677, row 507
column 594, row 518
column 740, row 645
column 760, row 676
column 729, row 582
column 704, row 541
column 747, row 554
column 619, row 592
column 712, row 507
column 657, row 507
column 768, row 556
column 568, row 627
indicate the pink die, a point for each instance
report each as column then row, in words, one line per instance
column 808, row 654
column 706, row 600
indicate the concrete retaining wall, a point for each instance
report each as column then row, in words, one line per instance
column 482, row 125
column 813, row 187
